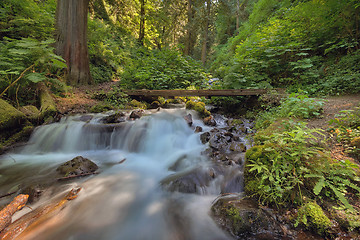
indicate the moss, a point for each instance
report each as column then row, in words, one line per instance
column 314, row 218
column 235, row 122
column 233, row 214
column 199, row 107
column 10, row 117
column 255, row 152
column 161, row 100
column 100, row 108
column 31, row 112
column 48, row 107
column 174, row 101
column 22, row 135
column 136, row 104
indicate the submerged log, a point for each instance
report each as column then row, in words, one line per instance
column 24, row 226
column 7, row 212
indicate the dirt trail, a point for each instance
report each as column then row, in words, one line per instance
column 332, row 106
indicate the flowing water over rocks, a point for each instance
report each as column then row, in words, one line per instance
column 154, row 180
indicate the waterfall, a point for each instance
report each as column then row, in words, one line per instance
column 127, row 200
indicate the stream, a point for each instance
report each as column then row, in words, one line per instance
column 127, row 198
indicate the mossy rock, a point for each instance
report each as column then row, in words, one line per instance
column 199, row 107
column 77, row 166
column 136, row 104
column 47, row 103
column 314, row 218
column 31, row 112
column 347, row 219
column 102, row 107
column 244, row 219
column 10, row 117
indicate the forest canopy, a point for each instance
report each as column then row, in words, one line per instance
column 312, row 45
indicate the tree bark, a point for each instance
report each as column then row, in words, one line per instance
column 189, row 40
column 206, row 33
column 142, row 22
column 71, row 39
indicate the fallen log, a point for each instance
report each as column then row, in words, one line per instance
column 7, row 212
column 24, row 226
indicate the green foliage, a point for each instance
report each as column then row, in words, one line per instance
column 16, row 56
column 114, row 98
column 109, row 50
column 288, row 160
column 27, row 18
column 296, row 105
column 165, row 69
column 297, row 44
column 278, row 164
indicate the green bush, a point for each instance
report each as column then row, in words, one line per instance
column 162, row 69
column 109, row 50
column 296, row 105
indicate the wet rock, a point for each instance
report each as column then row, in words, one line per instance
column 136, row 114
column 198, row 129
column 34, row 192
column 219, row 141
column 188, row 119
column 155, row 104
column 114, row 118
column 191, row 181
column 77, row 166
column 237, row 147
column 244, row 219
column 209, row 121
column 205, row 137
column 85, row 118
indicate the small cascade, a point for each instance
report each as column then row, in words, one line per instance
column 136, row 195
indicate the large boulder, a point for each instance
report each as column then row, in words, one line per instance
column 244, row 219
column 77, row 166
column 10, row 117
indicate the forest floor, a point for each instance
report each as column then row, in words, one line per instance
column 80, row 99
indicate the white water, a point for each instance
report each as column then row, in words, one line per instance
column 125, row 201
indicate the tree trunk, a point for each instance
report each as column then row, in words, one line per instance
column 142, row 22
column 189, row 40
column 206, row 32
column 71, row 39
column 237, row 14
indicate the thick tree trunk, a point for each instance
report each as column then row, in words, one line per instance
column 71, row 39
column 142, row 22
column 206, row 33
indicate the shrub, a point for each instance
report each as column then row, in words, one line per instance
column 296, row 105
column 162, row 69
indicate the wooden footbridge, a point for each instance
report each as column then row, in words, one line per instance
column 199, row 93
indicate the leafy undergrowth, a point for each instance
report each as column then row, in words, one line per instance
column 290, row 165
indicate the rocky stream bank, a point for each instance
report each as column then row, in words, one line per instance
column 227, row 141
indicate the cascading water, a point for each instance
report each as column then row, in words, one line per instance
column 123, row 201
